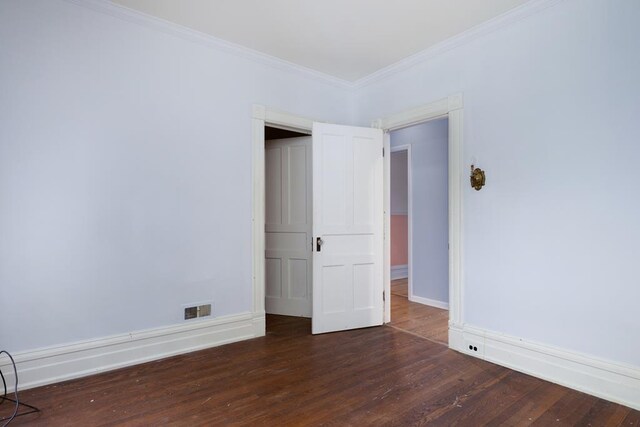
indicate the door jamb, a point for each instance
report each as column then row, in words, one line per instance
column 451, row 107
column 406, row 148
column 263, row 116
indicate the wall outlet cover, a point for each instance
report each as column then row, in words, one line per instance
column 190, row 313
column 204, row 310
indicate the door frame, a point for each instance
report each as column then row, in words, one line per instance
column 452, row 108
column 263, row 116
column 406, row 148
column 293, row 306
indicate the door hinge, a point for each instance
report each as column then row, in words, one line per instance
column 384, row 298
column 382, row 151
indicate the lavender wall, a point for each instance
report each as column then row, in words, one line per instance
column 551, row 107
column 429, row 214
column 125, row 172
column 398, row 183
column 114, row 139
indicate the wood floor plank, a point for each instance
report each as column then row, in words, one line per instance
column 568, row 411
column 374, row 376
column 632, row 419
column 400, row 287
column 423, row 320
column 531, row 406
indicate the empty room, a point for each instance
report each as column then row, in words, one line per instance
column 353, row 212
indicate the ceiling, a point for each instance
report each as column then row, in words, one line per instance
column 347, row 39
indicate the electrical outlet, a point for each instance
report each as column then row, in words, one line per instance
column 196, row 310
column 204, row 310
column 473, row 347
column 190, row 312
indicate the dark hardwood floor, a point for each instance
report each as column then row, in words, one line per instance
column 374, row 376
column 428, row 322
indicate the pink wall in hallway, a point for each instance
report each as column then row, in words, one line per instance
column 399, row 243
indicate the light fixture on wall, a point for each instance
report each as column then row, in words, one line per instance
column 477, row 178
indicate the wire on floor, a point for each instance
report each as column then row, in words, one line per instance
column 31, row 409
column 4, row 383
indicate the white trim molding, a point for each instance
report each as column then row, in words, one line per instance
column 430, row 302
column 409, row 273
column 386, row 265
column 608, row 380
column 452, row 108
column 431, row 111
column 158, row 24
column 399, row 271
column 281, row 119
column 504, row 20
column 61, row 363
column 261, row 116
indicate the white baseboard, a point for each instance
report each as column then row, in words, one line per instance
column 55, row 364
column 432, row 302
column 399, row 271
column 608, row 380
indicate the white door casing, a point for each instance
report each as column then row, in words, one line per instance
column 288, row 219
column 348, row 216
column 451, row 107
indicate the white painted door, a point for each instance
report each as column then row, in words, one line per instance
column 288, row 226
column 348, row 219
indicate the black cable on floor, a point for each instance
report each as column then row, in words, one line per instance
column 4, row 382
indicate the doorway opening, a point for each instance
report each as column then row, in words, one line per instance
column 450, row 108
column 288, row 222
column 337, row 176
column 419, row 228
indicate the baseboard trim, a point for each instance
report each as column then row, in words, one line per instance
column 608, row 380
column 431, row 302
column 55, row 364
column 399, row 272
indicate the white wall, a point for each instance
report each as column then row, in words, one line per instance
column 551, row 107
column 125, row 171
column 125, row 176
column 429, row 214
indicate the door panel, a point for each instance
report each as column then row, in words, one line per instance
column 273, row 185
column 348, row 217
column 299, row 184
column 288, row 226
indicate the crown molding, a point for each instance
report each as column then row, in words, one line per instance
column 155, row 23
column 500, row 21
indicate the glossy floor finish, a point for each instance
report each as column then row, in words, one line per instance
column 428, row 322
column 365, row 377
column 400, row 287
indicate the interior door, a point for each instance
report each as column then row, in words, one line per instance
column 288, row 226
column 347, row 227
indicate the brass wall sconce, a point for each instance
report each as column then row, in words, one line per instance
column 477, row 178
